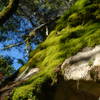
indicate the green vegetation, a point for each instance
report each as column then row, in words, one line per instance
column 7, row 9
column 6, row 67
column 3, row 4
column 78, row 28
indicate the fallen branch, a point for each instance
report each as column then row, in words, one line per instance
column 11, row 86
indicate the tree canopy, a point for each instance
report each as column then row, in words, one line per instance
column 6, row 67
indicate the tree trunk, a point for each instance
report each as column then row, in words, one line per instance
column 8, row 10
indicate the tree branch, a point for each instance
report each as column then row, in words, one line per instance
column 29, row 36
column 12, row 45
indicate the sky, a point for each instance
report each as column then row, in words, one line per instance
column 15, row 53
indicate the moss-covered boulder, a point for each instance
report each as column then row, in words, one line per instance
column 79, row 27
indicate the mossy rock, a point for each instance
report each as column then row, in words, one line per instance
column 65, row 40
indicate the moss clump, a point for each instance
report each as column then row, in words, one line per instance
column 67, row 39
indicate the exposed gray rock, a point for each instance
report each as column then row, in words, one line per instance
column 79, row 66
column 82, row 72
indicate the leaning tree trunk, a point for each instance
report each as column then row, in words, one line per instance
column 8, row 10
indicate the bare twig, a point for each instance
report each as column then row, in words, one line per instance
column 12, row 45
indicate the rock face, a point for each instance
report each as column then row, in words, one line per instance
column 67, row 91
column 82, row 65
column 83, row 69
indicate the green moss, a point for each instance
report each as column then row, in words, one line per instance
column 80, row 13
column 66, row 40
